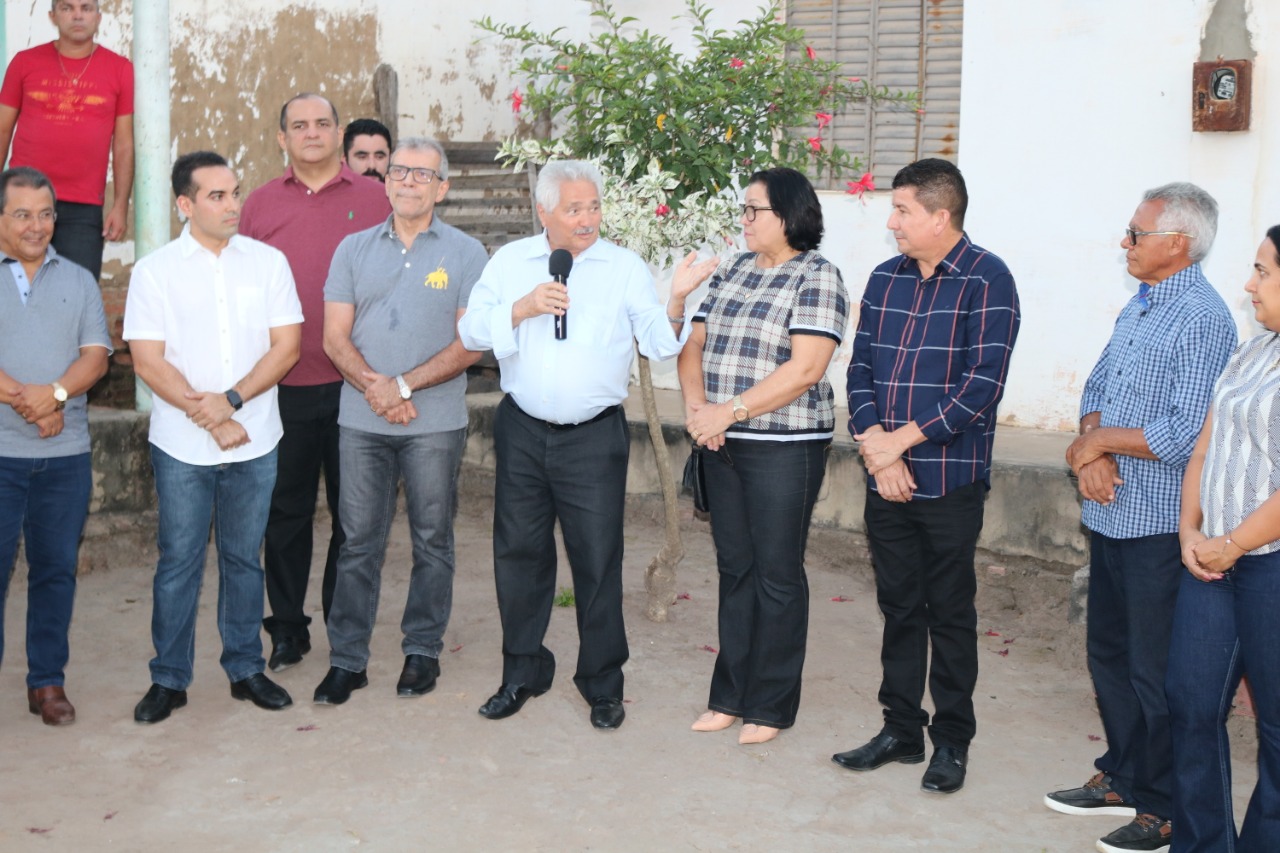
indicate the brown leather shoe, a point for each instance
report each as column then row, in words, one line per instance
column 52, row 705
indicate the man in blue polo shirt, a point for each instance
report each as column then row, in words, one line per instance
column 53, row 347
column 935, row 335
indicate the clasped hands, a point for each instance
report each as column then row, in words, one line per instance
column 35, row 404
column 1208, row 559
column 382, row 393
column 212, row 411
column 707, row 422
column 1097, row 471
column 881, row 452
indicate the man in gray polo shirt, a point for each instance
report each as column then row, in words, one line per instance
column 392, row 303
column 53, row 347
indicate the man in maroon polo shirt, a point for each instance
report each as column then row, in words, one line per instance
column 306, row 213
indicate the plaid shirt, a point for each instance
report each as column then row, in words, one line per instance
column 750, row 315
column 936, row 352
column 1156, row 374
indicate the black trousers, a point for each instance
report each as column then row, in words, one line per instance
column 77, row 235
column 762, row 495
column 310, row 444
column 579, row 476
column 925, row 585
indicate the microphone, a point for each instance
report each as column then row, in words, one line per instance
column 559, row 266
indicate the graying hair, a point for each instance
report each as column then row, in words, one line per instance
column 1189, row 209
column 422, row 143
column 27, row 178
column 558, row 172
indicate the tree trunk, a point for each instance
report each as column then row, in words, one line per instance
column 660, row 576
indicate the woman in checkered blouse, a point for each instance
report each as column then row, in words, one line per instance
column 1224, row 622
column 759, row 406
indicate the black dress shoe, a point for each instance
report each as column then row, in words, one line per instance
column 287, row 652
column 879, row 751
column 338, row 684
column 607, row 712
column 158, row 704
column 418, row 676
column 946, row 771
column 509, row 699
column 261, row 691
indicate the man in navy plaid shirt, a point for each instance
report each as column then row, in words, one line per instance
column 930, row 357
column 1143, row 406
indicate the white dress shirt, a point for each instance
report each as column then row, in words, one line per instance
column 611, row 302
column 214, row 314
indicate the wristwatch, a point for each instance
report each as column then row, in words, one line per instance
column 740, row 411
column 234, row 399
column 405, row 391
column 59, row 394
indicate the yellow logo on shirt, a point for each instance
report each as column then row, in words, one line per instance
column 438, row 280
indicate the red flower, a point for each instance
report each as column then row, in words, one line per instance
column 808, row 50
column 562, row 68
column 861, row 185
column 736, row 63
column 824, row 119
column 815, row 142
column 517, row 100
column 661, row 210
column 855, row 79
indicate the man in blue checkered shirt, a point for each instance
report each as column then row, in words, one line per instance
column 935, row 333
column 1143, row 406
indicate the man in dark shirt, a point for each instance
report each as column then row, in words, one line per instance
column 930, row 357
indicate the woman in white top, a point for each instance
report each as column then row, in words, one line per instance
column 1228, row 604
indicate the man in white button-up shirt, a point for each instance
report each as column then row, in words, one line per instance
column 213, row 322
column 560, row 434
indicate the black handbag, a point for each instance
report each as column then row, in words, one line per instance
column 695, row 480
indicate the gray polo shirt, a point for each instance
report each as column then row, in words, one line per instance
column 39, row 341
column 406, row 302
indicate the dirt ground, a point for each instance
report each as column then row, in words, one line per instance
column 389, row 774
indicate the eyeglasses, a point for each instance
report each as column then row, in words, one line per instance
column 44, row 217
column 749, row 211
column 420, row 175
column 1134, row 235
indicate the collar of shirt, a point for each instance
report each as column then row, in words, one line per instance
column 389, row 229
column 949, row 265
column 541, row 248
column 344, row 176
column 1175, row 285
column 189, row 245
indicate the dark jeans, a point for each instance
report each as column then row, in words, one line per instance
column 925, row 585
column 46, row 501
column 1133, row 586
column 310, row 443
column 578, row 475
column 1221, row 630
column 373, row 466
column 762, row 495
column 77, row 235
column 233, row 497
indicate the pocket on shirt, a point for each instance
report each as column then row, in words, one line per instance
column 251, row 306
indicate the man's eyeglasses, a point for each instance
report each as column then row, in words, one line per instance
column 749, row 211
column 420, row 175
column 1134, row 235
column 44, row 217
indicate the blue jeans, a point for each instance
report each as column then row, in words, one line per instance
column 1220, row 631
column 234, row 497
column 1133, row 586
column 372, row 466
column 46, row 500
column 761, row 495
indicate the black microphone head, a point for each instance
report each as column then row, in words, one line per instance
column 560, row 264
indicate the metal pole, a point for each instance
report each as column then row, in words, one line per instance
column 152, row 137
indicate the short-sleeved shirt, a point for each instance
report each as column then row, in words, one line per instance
column 407, row 300
column 1242, row 466
column 67, row 111
column 750, row 314
column 308, row 226
column 39, row 341
column 1156, row 374
column 214, row 314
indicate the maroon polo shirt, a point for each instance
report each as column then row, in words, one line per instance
column 308, row 226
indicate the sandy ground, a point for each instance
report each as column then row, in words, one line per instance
column 389, row 774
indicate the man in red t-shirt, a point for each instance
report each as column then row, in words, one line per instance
column 71, row 101
column 306, row 213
